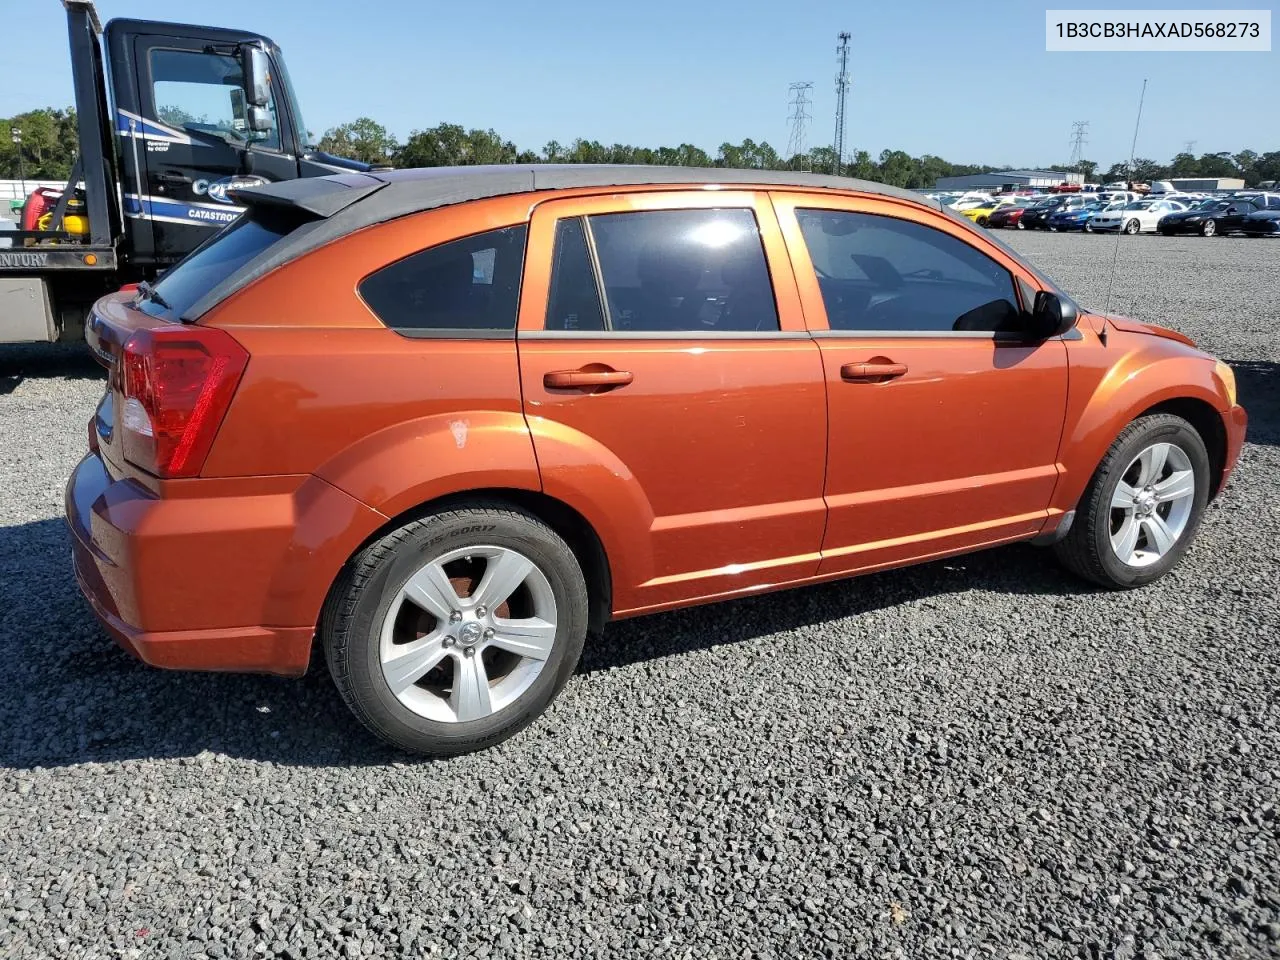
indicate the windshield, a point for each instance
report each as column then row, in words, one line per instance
column 210, row 264
column 1138, row 205
column 300, row 125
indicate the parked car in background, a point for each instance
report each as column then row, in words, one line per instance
column 981, row 214
column 415, row 417
column 1141, row 216
column 1207, row 217
column 1010, row 215
column 1077, row 218
column 1037, row 216
column 970, row 201
column 1262, row 223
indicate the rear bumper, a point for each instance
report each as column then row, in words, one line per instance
column 226, row 582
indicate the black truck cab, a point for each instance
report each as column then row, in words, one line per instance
column 182, row 120
column 171, row 118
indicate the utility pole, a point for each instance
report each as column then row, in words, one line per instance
column 842, row 91
column 1079, row 137
column 799, row 119
column 16, row 136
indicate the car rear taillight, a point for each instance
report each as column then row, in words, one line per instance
column 176, row 383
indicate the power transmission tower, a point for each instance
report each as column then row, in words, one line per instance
column 842, row 91
column 799, row 119
column 1079, row 137
column 1189, row 147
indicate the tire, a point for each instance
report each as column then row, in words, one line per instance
column 1209, row 228
column 433, row 714
column 982, row 221
column 1021, row 225
column 1089, row 549
column 1132, row 227
column 1088, row 227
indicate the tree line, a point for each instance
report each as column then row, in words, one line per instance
column 49, row 144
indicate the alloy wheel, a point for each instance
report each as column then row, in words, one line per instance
column 468, row 634
column 1209, row 228
column 1152, row 504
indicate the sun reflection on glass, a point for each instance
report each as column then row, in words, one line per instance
column 715, row 233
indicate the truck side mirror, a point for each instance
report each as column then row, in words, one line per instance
column 257, row 76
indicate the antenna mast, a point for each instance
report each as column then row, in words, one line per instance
column 842, row 91
column 799, row 119
column 1133, row 152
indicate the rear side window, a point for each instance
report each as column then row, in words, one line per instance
column 684, row 271
column 213, row 262
column 467, row 287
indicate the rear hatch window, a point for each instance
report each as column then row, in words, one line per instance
column 213, row 262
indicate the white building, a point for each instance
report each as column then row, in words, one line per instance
column 1008, row 179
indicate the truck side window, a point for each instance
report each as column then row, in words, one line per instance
column 203, row 92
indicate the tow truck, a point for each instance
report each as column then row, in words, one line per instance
column 171, row 120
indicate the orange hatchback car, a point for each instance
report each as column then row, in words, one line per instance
column 450, row 422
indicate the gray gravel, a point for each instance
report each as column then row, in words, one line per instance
column 976, row 758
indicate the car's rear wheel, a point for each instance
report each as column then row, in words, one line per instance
column 1088, row 227
column 1132, row 227
column 982, row 221
column 1143, row 505
column 456, row 631
column 1021, row 225
column 1209, row 228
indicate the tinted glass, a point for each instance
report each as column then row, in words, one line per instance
column 574, row 301
column 881, row 273
column 684, row 270
column 203, row 93
column 472, row 284
column 214, row 261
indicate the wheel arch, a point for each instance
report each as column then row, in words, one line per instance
column 1207, row 422
column 1134, row 387
column 562, row 518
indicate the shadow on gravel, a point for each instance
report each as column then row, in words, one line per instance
column 1258, row 383
column 72, row 696
column 68, row 361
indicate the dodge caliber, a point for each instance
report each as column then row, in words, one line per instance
column 446, row 424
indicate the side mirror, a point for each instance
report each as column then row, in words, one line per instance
column 1051, row 316
column 257, row 76
column 259, row 119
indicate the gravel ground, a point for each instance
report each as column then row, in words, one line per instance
column 974, row 758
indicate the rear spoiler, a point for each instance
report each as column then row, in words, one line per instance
column 321, row 197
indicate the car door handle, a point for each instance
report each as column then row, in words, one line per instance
column 586, row 379
column 872, row 372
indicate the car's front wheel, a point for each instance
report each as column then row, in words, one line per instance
column 1088, row 227
column 1142, row 506
column 457, row 630
column 1209, row 228
column 1132, row 227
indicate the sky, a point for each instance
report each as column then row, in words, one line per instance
column 966, row 80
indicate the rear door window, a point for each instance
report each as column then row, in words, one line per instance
column 464, row 288
column 680, row 271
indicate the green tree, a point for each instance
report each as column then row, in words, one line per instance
column 362, row 139
column 1217, row 165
